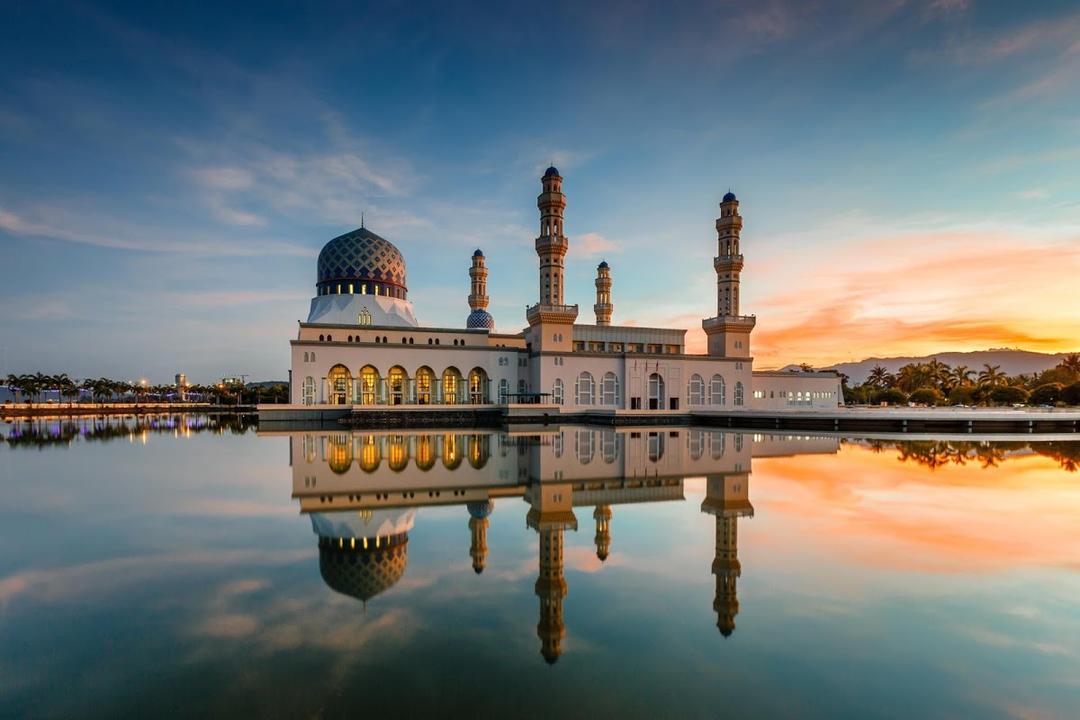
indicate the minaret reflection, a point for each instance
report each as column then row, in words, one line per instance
column 602, row 515
column 727, row 497
column 551, row 514
column 478, row 525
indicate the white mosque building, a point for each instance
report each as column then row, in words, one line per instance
column 363, row 346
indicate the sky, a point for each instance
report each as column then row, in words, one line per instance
column 906, row 170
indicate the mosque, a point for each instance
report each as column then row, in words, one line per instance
column 363, row 346
column 362, row 491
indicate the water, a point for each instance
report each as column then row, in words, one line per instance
column 190, row 566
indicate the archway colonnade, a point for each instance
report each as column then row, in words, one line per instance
column 368, row 386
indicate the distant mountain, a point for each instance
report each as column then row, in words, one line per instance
column 1012, row 362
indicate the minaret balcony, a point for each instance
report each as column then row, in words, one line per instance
column 729, row 322
column 547, row 243
column 728, row 262
column 560, row 314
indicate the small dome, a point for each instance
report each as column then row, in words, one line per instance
column 480, row 510
column 361, row 255
column 478, row 253
column 603, row 265
column 552, row 172
column 729, row 196
column 480, row 319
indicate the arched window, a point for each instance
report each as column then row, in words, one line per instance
column 716, row 444
column 655, row 446
column 696, row 440
column 397, row 451
column 339, row 379
column 609, row 446
column 695, row 392
column 370, row 453
column 504, row 390
column 396, row 385
column 452, row 451
column 718, row 390
column 309, row 391
column 479, row 450
column 609, row 389
column 558, row 392
column 451, row 378
column 477, row 386
column 369, row 385
column 738, row 393
column 585, row 446
column 425, row 378
column 656, row 392
column 364, row 318
column 425, row 450
column 585, row 391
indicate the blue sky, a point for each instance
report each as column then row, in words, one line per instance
column 168, row 175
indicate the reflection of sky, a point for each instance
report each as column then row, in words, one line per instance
column 178, row 577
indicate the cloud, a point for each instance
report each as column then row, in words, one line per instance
column 590, row 245
column 118, row 234
column 224, row 178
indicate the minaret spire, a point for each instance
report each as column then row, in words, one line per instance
column 603, row 307
column 551, row 247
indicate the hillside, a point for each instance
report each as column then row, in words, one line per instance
column 1012, row 362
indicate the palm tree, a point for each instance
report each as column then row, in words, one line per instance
column 1070, row 362
column 961, row 375
column 991, row 377
column 939, row 373
column 879, row 377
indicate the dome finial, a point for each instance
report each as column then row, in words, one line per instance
column 361, row 219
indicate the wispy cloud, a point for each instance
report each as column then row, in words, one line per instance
column 591, row 244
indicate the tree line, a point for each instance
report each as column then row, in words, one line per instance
column 36, row 387
column 938, row 383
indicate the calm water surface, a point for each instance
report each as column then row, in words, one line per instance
column 190, row 566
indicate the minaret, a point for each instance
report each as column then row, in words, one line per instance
column 728, row 332
column 602, row 515
column 478, row 525
column 478, row 298
column 603, row 306
column 551, row 247
column 551, row 514
column 727, row 497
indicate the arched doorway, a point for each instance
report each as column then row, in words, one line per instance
column 369, row 384
column 370, row 453
column 425, row 380
column 477, row 386
column 396, row 385
column 656, row 392
column 339, row 379
column 451, row 381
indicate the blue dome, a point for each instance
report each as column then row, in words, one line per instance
column 480, row 510
column 552, row 172
column 478, row 253
column 361, row 255
column 729, row 196
column 480, row 319
column 603, row 264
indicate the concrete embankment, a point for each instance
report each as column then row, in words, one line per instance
column 887, row 420
column 21, row 410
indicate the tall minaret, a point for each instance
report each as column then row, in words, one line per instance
column 603, row 306
column 602, row 515
column 551, row 244
column 728, row 332
column 478, row 525
column 727, row 498
column 478, row 298
column 550, row 321
column 551, row 514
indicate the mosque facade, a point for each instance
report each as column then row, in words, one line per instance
column 362, row 344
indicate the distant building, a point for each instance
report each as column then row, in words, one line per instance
column 181, row 385
column 362, row 344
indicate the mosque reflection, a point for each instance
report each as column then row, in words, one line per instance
column 362, row 491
